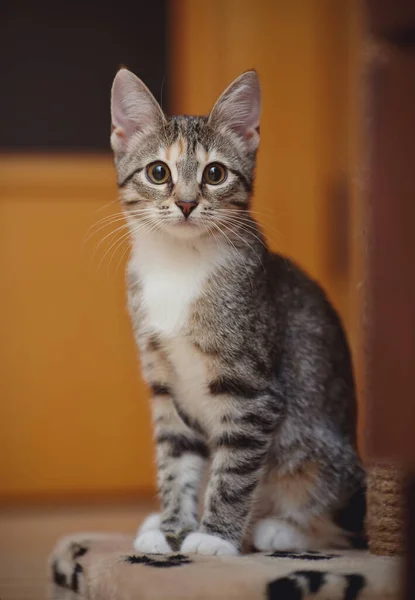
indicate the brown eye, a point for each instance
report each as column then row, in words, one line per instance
column 215, row 173
column 158, row 173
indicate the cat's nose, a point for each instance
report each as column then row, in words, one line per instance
column 187, row 206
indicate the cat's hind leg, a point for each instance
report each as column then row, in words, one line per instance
column 279, row 534
column 293, row 512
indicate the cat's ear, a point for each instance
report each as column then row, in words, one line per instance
column 133, row 109
column 239, row 108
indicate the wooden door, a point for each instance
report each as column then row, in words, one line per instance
column 74, row 415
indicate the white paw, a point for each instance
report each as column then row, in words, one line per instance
column 152, row 542
column 276, row 534
column 150, row 523
column 203, row 543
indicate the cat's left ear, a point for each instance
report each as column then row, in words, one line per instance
column 133, row 109
column 239, row 109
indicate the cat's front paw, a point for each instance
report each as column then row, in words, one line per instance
column 152, row 542
column 210, row 545
column 150, row 523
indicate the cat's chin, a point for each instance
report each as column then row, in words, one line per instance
column 186, row 231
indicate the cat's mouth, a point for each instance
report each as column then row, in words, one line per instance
column 187, row 222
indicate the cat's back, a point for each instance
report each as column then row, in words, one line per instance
column 299, row 298
column 314, row 347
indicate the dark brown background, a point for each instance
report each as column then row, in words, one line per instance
column 57, row 61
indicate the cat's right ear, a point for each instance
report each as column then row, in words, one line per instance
column 133, row 109
column 239, row 109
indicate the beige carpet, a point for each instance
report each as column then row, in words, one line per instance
column 104, row 566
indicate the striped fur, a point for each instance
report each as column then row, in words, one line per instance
column 247, row 362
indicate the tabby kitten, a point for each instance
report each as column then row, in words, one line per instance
column 246, row 359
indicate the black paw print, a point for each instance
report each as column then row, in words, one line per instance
column 298, row 585
column 310, row 555
column 175, row 560
column 72, row 582
column 78, row 550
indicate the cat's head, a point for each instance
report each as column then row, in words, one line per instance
column 185, row 175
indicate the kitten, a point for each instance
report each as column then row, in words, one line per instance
column 245, row 357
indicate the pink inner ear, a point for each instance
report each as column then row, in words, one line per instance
column 122, row 105
column 133, row 108
column 239, row 107
column 242, row 112
column 120, row 136
column 250, row 133
column 120, row 133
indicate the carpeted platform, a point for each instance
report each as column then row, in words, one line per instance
column 104, row 567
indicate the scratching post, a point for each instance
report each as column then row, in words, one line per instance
column 385, row 512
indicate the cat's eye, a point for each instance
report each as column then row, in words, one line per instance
column 215, row 173
column 158, row 172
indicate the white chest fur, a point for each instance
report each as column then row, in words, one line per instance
column 172, row 275
column 192, row 374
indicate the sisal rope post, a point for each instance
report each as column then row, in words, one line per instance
column 385, row 509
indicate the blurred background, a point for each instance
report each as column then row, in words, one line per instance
column 74, row 420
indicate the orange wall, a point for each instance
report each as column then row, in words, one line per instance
column 73, row 413
column 302, row 53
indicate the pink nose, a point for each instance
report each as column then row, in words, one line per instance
column 187, row 206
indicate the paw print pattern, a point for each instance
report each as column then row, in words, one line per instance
column 300, row 584
column 310, row 555
column 72, row 582
column 175, row 560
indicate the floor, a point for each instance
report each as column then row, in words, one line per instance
column 27, row 536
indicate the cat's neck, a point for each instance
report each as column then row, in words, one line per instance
column 172, row 274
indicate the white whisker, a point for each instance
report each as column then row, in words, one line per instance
column 248, row 229
column 224, row 234
column 244, row 241
column 236, row 249
column 101, row 228
column 121, row 228
column 134, row 231
column 118, row 243
column 119, row 215
column 107, row 204
column 247, row 219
